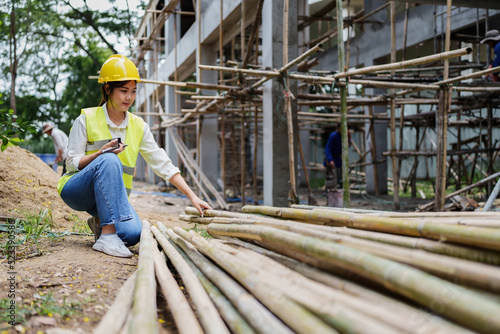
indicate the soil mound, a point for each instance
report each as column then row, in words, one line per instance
column 30, row 185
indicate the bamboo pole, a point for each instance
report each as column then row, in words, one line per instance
column 242, row 156
column 242, row 27
column 205, row 309
column 481, row 237
column 298, row 318
column 221, row 39
column 223, row 155
column 184, row 317
column 311, row 199
column 343, row 109
column 394, row 159
column 403, row 279
column 258, row 316
column 288, row 108
column 374, row 152
column 356, row 314
column 189, row 166
column 459, row 271
column 406, row 63
column 442, row 125
column 255, row 152
column 492, row 197
column 438, row 247
column 370, row 69
column 196, row 168
column 455, row 79
column 427, row 323
column 116, row 316
column 253, row 36
column 143, row 315
column 235, row 322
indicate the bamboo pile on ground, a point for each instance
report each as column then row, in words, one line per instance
column 415, row 263
column 263, row 273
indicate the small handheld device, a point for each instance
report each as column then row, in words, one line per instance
column 114, row 147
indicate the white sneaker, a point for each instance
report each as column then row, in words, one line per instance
column 112, row 245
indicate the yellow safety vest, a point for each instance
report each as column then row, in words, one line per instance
column 98, row 135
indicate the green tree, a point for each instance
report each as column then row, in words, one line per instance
column 13, row 129
column 55, row 46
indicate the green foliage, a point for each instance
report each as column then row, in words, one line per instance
column 59, row 45
column 11, row 126
column 42, row 304
column 203, row 232
column 79, row 226
column 29, row 229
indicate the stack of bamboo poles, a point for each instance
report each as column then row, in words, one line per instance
column 310, row 270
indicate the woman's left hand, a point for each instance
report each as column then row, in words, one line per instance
column 200, row 205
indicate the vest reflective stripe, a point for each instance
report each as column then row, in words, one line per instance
column 128, row 170
column 95, row 145
column 98, row 134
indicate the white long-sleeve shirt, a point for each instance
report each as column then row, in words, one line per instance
column 60, row 142
column 155, row 156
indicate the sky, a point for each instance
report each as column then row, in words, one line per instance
column 103, row 5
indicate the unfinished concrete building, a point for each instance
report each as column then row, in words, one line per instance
column 241, row 93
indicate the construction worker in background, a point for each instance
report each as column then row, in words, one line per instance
column 492, row 39
column 333, row 158
column 104, row 144
column 60, row 142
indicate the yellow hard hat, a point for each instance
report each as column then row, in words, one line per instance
column 118, row 68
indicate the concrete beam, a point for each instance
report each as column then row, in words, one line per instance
column 208, row 141
column 488, row 4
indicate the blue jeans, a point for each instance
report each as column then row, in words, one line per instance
column 99, row 190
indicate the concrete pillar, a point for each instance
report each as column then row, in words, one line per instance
column 209, row 148
column 275, row 138
column 170, row 95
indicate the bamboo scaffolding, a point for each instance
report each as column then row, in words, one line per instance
column 481, row 237
column 455, row 79
column 292, row 314
column 143, row 314
column 205, row 309
column 472, row 186
column 188, row 163
column 181, row 148
column 236, row 96
column 396, row 65
column 407, row 283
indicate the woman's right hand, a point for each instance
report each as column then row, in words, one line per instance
column 112, row 144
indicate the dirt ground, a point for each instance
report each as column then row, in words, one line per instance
column 61, row 285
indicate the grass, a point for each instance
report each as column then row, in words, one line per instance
column 79, row 226
column 43, row 304
column 202, row 232
column 27, row 231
